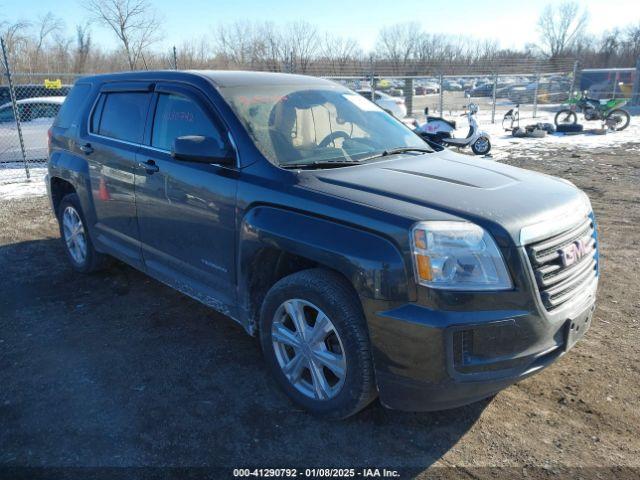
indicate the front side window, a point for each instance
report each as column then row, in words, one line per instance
column 178, row 116
column 294, row 124
column 123, row 116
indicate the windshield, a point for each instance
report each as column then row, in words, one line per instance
column 310, row 124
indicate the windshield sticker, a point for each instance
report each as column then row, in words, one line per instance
column 361, row 102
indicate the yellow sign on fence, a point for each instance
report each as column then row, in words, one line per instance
column 53, row 84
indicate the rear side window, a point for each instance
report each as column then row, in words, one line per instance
column 177, row 116
column 122, row 116
column 72, row 105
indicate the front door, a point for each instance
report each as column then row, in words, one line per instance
column 186, row 210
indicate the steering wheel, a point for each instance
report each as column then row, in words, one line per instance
column 332, row 137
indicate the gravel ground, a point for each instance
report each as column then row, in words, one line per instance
column 117, row 370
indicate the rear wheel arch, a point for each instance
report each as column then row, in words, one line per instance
column 59, row 189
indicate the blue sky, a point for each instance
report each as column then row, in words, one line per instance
column 510, row 22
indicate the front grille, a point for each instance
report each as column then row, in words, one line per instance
column 560, row 280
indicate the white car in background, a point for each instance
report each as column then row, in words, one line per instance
column 394, row 105
column 36, row 116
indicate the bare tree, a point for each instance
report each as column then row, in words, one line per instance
column 83, row 47
column 339, row 52
column 560, row 27
column 134, row 22
column 301, row 42
column 46, row 26
column 398, row 44
column 15, row 37
column 631, row 42
column 239, row 43
column 193, row 54
column 275, row 52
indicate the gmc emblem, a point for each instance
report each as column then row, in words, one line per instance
column 573, row 252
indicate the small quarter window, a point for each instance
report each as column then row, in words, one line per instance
column 72, row 105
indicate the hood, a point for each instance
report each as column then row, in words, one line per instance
column 500, row 198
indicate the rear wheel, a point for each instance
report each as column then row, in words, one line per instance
column 617, row 119
column 315, row 342
column 75, row 236
column 566, row 117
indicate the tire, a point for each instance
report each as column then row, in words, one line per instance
column 91, row 260
column 624, row 117
column 569, row 128
column 314, row 292
column 550, row 128
column 565, row 117
column 481, row 146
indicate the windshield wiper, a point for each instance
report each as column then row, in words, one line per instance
column 321, row 163
column 396, row 151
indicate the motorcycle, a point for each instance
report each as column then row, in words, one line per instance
column 440, row 131
column 609, row 111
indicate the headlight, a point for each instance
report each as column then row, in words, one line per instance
column 457, row 256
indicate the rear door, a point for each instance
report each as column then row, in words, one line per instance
column 116, row 130
column 186, row 210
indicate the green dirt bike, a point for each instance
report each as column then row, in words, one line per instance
column 609, row 111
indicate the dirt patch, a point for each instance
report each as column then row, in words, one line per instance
column 115, row 369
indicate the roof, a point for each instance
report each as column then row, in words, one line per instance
column 220, row 78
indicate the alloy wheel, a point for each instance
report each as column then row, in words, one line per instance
column 308, row 349
column 74, row 235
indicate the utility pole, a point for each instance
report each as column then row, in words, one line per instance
column 493, row 98
column 574, row 80
column 372, row 82
column 441, row 101
column 175, row 58
column 635, row 95
column 535, row 95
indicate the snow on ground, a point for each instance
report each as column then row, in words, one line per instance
column 14, row 183
column 504, row 142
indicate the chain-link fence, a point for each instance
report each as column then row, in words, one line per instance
column 447, row 95
column 30, row 102
column 28, row 105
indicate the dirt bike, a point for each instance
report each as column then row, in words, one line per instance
column 609, row 111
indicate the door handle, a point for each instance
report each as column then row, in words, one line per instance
column 150, row 166
column 86, row 148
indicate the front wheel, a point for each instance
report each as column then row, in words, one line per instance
column 617, row 119
column 566, row 117
column 315, row 343
column 481, row 146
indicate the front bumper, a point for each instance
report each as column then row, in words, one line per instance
column 430, row 359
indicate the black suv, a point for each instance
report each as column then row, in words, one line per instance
column 367, row 263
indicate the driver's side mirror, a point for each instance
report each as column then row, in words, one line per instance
column 201, row 149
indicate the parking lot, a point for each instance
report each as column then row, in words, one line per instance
column 117, row 370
